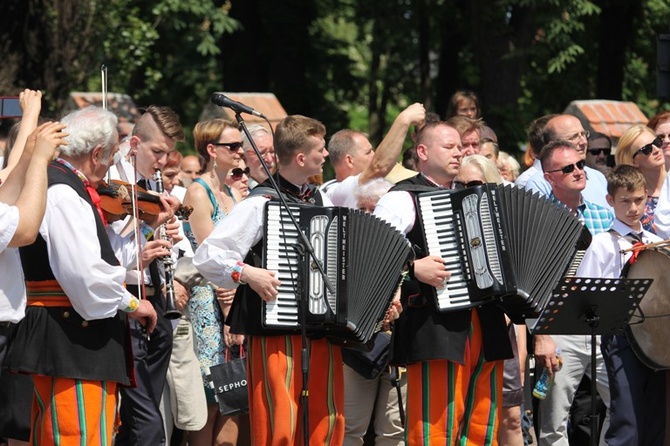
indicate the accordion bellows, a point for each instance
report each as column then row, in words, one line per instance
column 362, row 256
column 500, row 242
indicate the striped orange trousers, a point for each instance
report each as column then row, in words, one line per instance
column 452, row 404
column 72, row 412
column 275, row 383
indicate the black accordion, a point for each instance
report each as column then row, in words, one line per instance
column 500, row 242
column 362, row 256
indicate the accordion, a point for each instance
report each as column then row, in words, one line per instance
column 362, row 256
column 500, row 242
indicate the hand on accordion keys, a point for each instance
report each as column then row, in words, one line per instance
column 262, row 281
column 431, row 270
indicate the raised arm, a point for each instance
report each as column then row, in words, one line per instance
column 389, row 149
column 31, row 105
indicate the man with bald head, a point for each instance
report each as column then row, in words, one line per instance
column 569, row 128
column 454, row 359
column 190, row 169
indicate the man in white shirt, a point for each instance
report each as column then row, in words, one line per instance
column 354, row 161
column 153, row 139
column 227, row 258
column 73, row 337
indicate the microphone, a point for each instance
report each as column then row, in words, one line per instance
column 222, row 100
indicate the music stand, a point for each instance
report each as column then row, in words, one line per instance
column 592, row 306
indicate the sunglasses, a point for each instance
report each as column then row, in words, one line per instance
column 648, row 148
column 570, row 167
column 462, row 185
column 236, row 173
column 232, row 146
column 596, row 152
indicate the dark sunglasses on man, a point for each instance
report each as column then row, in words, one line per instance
column 596, row 152
column 648, row 148
column 236, row 173
column 570, row 167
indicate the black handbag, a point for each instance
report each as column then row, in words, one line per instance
column 370, row 364
column 229, row 382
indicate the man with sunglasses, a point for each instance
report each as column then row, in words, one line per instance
column 599, row 153
column 569, row 128
column 564, row 170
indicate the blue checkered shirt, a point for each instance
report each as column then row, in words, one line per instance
column 596, row 218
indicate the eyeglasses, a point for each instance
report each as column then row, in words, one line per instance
column 232, row 146
column 570, row 167
column 236, row 173
column 648, row 148
column 583, row 134
column 462, row 185
column 596, row 152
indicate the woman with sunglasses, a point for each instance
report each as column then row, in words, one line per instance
column 640, row 147
column 660, row 124
column 238, row 178
column 219, row 146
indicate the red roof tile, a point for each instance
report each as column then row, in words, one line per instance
column 612, row 118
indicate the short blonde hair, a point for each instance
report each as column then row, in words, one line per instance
column 624, row 150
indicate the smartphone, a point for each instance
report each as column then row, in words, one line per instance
column 9, row 107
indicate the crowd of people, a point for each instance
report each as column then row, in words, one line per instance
column 130, row 271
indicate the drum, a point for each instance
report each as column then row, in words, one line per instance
column 649, row 328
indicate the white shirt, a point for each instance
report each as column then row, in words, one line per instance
column 529, row 173
column 232, row 239
column 603, row 258
column 94, row 287
column 343, row 193
column 594, row 192
column 397, row 209
column 12, row 285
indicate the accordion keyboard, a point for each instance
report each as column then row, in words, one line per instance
column 442, row 240
column 284, row 260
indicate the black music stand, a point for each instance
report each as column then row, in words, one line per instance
column 582, row 305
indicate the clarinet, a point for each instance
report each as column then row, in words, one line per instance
column 170, row 310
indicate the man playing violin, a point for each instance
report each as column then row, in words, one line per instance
column 73, row 338
column 153, row 139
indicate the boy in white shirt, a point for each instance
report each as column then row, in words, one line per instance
column 637, row 407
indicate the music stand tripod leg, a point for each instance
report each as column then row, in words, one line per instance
column 592, row 319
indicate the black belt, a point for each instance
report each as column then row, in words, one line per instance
column 149, row 291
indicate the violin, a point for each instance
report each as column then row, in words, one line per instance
column 115, row 199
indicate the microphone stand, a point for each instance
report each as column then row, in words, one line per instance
column 303, row 248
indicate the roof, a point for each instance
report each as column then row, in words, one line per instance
column 612, row 118
column 121, row 105
column 266, row 103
